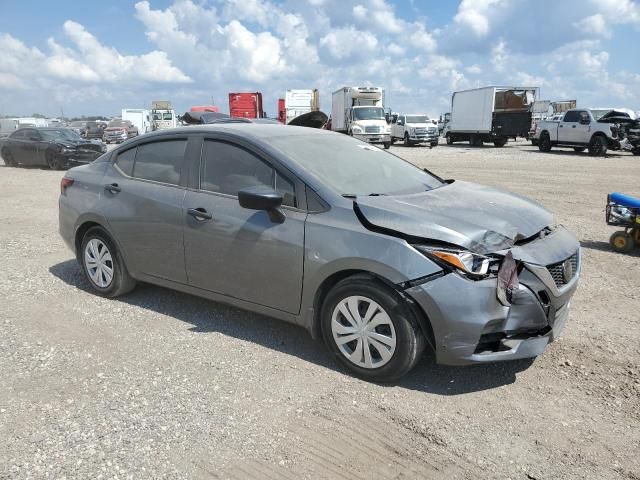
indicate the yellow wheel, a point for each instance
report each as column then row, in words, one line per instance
column 622, row 242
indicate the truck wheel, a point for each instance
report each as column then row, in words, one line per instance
column 598, row 146
column 386, row 145
column 406, row 139
column 544, row 144
column 578, row 149
column 449, row 139
column 500, row 142
column 636, row 151
column 622, row 242
column 475, row 141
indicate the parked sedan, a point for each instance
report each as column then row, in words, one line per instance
column 376, row 256
column 52, row 147
column 119, row 130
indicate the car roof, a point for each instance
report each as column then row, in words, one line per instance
column 255, row 130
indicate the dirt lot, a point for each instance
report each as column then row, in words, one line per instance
column 161, row 384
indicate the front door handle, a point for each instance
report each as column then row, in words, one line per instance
column 573, row 126
column 199, row 214
column 112, row 188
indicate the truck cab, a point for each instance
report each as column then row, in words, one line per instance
column 413, row 129
column 580, row 129
column 369, row 124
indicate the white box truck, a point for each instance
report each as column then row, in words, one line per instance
column 140, row 117
column 359, row 111
column 490, row 114
column 299, row 102
column 8, row 126
column 162, row 115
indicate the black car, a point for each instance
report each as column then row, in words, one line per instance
column 51, row 147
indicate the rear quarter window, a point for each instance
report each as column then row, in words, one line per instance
column 125, row 160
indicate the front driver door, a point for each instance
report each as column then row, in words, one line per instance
column 239, row 252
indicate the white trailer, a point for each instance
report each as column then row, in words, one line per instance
column 140, row 117
column 490, row 114
column 299, row 102
column 7, row 126
column 359, row 111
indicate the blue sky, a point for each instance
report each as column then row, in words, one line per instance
column 103, row 56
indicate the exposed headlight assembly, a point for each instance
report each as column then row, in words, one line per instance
column 356, row 129
column 472, row 264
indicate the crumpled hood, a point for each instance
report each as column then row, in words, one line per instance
column 479, row 218
column 79, row 144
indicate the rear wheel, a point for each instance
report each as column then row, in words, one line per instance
column 579, row 149
column 622, row 242
column 500, row 142
column 544, row 144
column 7, row 156
column 103, row 265
column 449, row 139
column 598, row 146
column 371, row 330
column 475, row 141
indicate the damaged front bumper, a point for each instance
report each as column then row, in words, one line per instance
column 469, row 323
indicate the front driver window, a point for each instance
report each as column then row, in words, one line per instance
column 227, row 168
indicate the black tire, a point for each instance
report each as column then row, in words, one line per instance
column 386, row 145
column 406, row 142
column 579, row 149
column 475, row 141
column 434, row 144
column 53, row 161
column 449, row 139
column 598, row 146
column 393, row 140
column 409, row 341
column 544, row 144
column 636, row 151
column 534, row 142
column 622, row 242
column 500, row 142
column 8, row 158
column 121, row 281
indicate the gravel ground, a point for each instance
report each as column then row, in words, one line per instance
column 162, row 384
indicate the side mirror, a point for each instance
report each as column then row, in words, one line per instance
column 262, row 198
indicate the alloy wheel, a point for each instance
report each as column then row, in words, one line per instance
column 98, row 262
column 363, row 332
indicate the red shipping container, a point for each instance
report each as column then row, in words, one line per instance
column 246, row 105
column 282, row 112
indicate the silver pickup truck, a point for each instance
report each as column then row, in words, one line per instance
column 581, row 129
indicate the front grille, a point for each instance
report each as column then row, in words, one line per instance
column 372, row 129
column 563, row 272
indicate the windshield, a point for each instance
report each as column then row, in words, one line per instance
column 167, row 116
column 351, row 167
column 417, row 119
column 368, row 113
column 60, row 134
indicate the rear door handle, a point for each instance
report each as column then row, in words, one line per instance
column 199, row 214
column 573, row 126
column 112, row 188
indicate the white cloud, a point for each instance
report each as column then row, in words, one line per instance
column 343, row 43
column 474, row 14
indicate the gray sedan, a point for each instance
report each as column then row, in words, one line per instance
column 378, row 257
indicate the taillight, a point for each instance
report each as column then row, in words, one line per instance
column 65, row 183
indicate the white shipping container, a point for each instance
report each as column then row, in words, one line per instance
column 472, row 110
column 299, row 102
column 348, row 97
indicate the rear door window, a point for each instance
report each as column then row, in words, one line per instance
column 160, row 161
column 571, row 116
column 227, row 168
column 19, row 134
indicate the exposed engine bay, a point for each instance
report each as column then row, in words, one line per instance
column 625, row 129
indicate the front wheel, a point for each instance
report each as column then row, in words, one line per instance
column 103, row 265
column 53, row 162
column 500, row 142
column 636, row 151
column 449, row 139
column 386, row 145
column 406, row 140
column 598, row 146
column 622, row 242
column 371, row 330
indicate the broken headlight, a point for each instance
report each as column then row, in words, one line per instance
column 472, row 264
